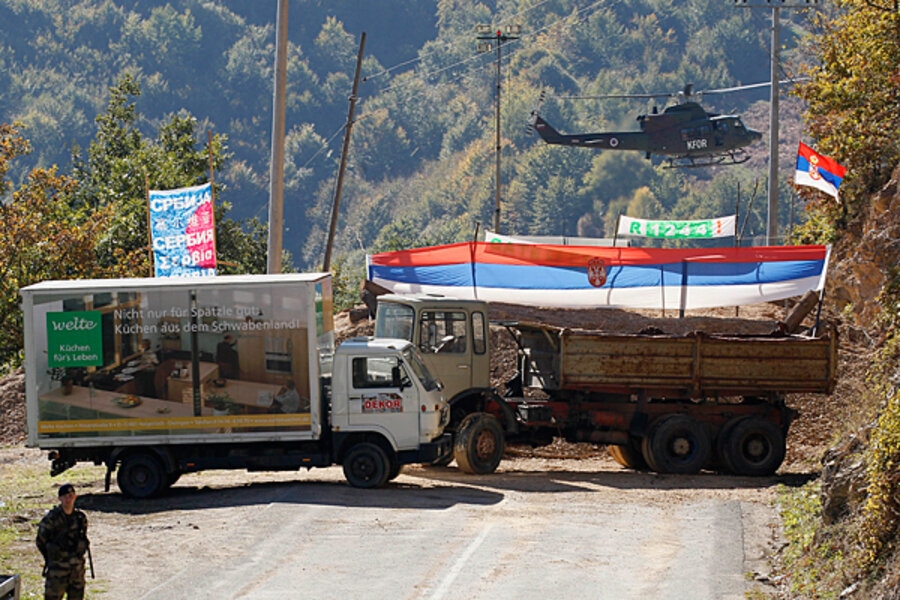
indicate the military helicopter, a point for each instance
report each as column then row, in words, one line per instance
column 684, row 133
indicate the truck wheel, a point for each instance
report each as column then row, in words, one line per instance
column 141, row 476
column 722, row 455
column 628, row 455
column 754, row 447
column 479, row 444
column 366, row 466
column 677, row 444
column 394, row 471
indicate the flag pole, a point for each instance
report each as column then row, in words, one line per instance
column 212, row 200
column 616, row 232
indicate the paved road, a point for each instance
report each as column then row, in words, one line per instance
column 525, row 533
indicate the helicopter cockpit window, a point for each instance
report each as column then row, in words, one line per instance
column 687, row 134
column 738, row 124
column 704, row 131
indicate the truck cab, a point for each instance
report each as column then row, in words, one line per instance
column 453, row 338
column 451, row 334
column 383, row 386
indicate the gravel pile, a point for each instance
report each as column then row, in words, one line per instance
column 12, row 408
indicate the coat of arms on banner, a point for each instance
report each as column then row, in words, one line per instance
column 596, row 272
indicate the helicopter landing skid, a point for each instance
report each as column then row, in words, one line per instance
column 689, row 162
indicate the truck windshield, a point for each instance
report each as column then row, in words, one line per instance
column 394, row 321
column 414, row 360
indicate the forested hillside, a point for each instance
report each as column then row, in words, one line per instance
column 421, row 164
column 113, row 91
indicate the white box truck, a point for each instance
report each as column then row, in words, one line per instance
column 162, row 376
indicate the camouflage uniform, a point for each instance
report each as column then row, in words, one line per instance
column 62, row 539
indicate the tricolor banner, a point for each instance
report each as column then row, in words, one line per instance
column 183, row 232
column 818, row 171
column 589, row 277
column 678, row 230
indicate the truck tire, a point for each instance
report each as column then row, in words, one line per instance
column 479, row 444
column 722, row 455
column 676, row 444
column 628, row 455
column 754, row 447
column 366, row 465
column 141, row 476
column 395, row 469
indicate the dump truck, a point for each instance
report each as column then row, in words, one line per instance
column 670, row 403
column 158, row 377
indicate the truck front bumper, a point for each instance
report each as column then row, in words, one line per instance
column 428, row 452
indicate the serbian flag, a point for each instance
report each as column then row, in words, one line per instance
column 596, row 276
column 820, row 172
column 183, row 231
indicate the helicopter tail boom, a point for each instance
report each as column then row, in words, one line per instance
column 628, row 140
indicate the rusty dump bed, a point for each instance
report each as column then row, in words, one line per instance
column 695, row 365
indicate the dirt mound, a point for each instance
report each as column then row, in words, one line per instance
column 758, row 319
column 12, row 408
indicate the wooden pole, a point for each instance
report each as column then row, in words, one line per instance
column 335, row 206
column 149, row 223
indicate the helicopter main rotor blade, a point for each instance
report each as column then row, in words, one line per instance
column 687, row 92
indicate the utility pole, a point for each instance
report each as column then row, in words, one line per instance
column 775, row 6
column 486, row 32
column 276, row 165
column 326, row 264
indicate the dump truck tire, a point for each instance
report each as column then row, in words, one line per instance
column 722, row 456
column 480, row 444
column 628, row 455
column 754, row 447
column 366, row 465
column 677, row 444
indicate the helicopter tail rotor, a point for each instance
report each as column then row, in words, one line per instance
column 535, row 115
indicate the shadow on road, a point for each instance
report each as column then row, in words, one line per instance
column 566, row 481
column 439, row 488
column 396, row 494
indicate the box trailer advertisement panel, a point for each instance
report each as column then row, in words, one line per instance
column 147, row 357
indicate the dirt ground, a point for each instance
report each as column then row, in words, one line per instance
column 139, row 549
column 174, row 522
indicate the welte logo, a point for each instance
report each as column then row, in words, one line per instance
column 74, row 339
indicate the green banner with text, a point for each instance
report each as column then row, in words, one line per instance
column 678, row 230
column 74, row 339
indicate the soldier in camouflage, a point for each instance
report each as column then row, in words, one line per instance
column 62, row 540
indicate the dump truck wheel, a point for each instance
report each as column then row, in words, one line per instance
column 366, row 466
column 141, row 476
column 754, row 447
column 722, row 456
column 628, row 455
column 677, row 444
column 479, row 444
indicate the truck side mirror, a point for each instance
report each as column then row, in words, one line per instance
column 396, row 380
